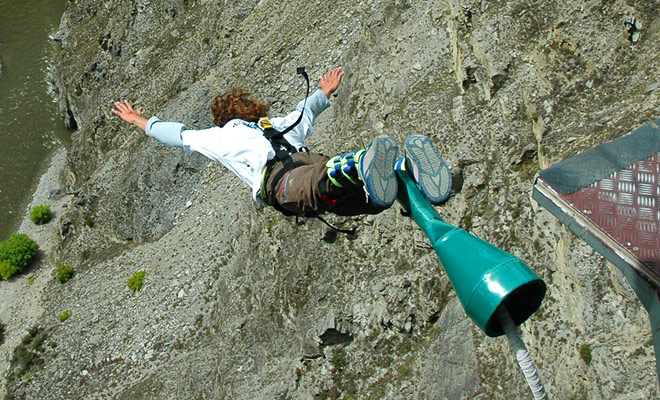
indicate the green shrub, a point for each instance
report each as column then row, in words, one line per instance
column 31, row 279
column 135, row 282
column 64, row 316
column 16, row 253
column 585, row 353
column 40, row 214
column 64, row 273
column 7, row 269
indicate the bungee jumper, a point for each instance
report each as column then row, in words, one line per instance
column 268, row 154
column 497, row 290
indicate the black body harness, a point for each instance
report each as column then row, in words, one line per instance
column 283, row 150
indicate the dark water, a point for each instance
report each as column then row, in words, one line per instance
column 30, row 128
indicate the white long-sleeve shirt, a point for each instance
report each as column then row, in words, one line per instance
column 239, row 145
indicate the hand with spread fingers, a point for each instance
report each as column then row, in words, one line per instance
column 330, row 81
column 126, row 112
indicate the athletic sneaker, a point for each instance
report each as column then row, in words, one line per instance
column 427, row 168
column 342, row 169
column 376, row 169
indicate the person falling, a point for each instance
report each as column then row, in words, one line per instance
column 292, row 179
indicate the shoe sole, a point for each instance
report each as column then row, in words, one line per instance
column 429, row 170
column 377, row 171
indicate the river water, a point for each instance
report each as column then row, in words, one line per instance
column 30, row 128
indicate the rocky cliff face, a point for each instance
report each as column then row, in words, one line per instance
column 239, row 301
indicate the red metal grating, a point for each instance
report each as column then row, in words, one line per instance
column 626, row 206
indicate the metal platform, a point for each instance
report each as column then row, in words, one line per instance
column 622, row 211
column 610, row 197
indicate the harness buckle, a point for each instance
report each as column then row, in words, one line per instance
column 264, row 123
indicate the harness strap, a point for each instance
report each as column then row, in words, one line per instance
column 283, row 149
column 299, row 71
column 271, row 201
column 334, row 228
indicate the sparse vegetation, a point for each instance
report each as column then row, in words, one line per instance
column 64, row 316
column 585, row 353
column 64, row 273
column 40, row 214
column 15, row 254
column 466, row 222
column 136, row 280
column 29, row 353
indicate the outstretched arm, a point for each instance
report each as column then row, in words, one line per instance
column 330, row 81
column 168, row 133
column 126, row 112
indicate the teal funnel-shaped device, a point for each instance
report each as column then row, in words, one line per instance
column 483, row 276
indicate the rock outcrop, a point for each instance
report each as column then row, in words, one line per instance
column 240, row 302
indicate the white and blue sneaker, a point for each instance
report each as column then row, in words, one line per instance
column 376, row 170
column 429, row 171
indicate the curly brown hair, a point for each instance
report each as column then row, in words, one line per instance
column 236, row 104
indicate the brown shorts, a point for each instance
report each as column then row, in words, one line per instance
column 306, row 190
